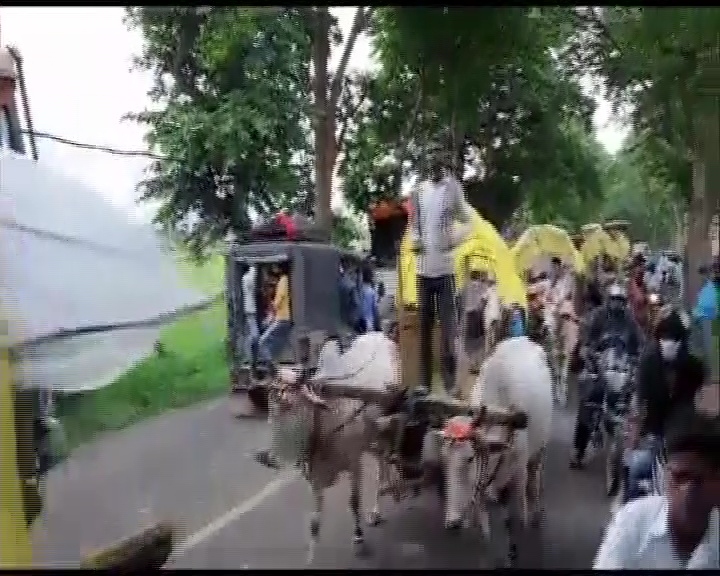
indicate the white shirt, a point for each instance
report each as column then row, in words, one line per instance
column 248, row 289
column 639, row 538
column 440, row 204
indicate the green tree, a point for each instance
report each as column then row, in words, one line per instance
column 231, row 115
column 243, row 96
column 487, row 81
column 660, row 67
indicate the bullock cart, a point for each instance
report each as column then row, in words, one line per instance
column 557, row 301
column 315, row 307
column 599, row 253
column 324, row 425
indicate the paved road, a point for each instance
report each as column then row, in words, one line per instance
column 193, row 466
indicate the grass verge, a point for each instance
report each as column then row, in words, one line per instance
column 191, row 368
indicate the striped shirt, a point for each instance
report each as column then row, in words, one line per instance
column 435, row 208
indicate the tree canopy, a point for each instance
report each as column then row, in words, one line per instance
column 250, row 119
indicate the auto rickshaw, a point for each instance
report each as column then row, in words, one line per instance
column 314, row 277
column 533, row 249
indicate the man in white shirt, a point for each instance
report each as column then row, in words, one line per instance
column 679, row 530
column 249, row 292
column 437, row 202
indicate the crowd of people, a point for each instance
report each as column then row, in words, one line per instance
column 680, row 528
column 267, row 311
column 675, row 529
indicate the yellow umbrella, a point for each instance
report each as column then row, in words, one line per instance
column 542, row 240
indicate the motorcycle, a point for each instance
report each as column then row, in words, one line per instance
column 614, row 368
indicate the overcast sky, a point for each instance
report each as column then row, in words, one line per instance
column 77, row 69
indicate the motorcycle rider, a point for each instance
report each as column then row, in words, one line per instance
column 668, row 377
column 612, row 320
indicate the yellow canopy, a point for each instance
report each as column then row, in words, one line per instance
column 546, row 239
column 484, row 250
column 15, row 548
column 596, row 242
column 620, row 245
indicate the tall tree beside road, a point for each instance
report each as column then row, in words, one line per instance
column 330, row 91
column 230, row 99
column 662, row 66
column 638, row 187
column 245, row 93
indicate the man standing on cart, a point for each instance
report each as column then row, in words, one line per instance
column 437, row 201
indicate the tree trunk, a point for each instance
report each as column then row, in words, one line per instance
column 703, row 201
column 324, row 128
column 327, row 98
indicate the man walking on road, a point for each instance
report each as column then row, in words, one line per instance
column 436, row 202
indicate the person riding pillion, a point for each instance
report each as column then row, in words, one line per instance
column 437, row 202
column 609, row 322
column 668, row 377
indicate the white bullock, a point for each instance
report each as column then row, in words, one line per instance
column 516, row 376
column 328, row 436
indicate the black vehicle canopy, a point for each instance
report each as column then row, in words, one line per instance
column 314, row 283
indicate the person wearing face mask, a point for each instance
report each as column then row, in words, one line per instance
column 607, row 324
column 679, row 530
column 668, row 377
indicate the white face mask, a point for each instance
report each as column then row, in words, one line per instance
column 669, row 349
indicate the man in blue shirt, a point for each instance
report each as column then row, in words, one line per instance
column 706, row 305
column 368, row 301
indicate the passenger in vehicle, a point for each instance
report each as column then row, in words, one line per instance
column 679, row 530
column 369, row 301
column 249, row 286
column 349, row 296
column 276, row 335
